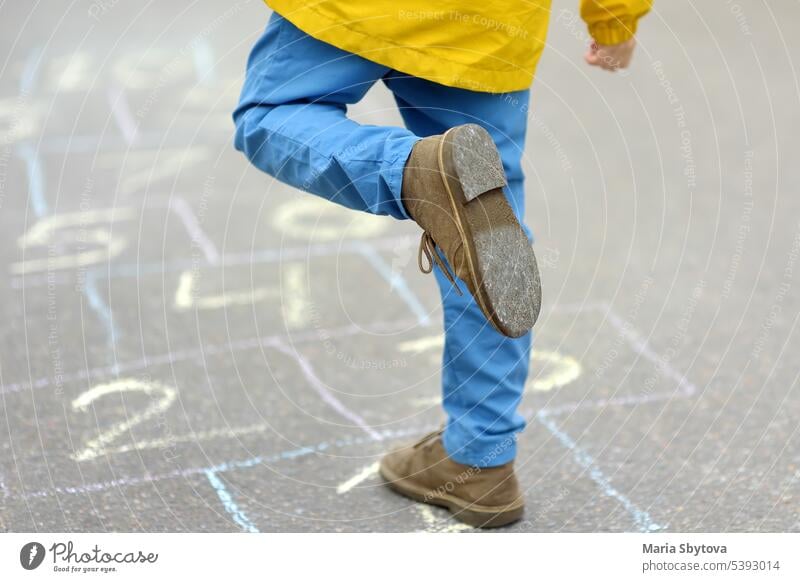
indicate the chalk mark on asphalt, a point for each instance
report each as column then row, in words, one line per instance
column 229, row 503
column 325, row 392
column 289, row 454
column 203, row 60
column 363, row 474
column 396, row 281
column 30, row 72
column 640, row 517
column 175, row 356
column 121, row 112
column 184, row 212
column 435, row 524
column 299, row 253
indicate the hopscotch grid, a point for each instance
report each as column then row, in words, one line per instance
column 583, row 459
column 145, row 139
column 37, row 200
column 641, row 518
column 641, row 348
column 264, row 256
column 226, row 466
column 394, row 279
column 689, row 390
column 323, row 391
column 686, row 389
column 198, row 236
column 168, row 358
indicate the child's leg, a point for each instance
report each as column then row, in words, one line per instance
column 483, row 373
column 291, row 122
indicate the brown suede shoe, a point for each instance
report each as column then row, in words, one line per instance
column 480, row 497
column 453, row 188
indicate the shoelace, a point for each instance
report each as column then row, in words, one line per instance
column 427, row 247
column 428, row 437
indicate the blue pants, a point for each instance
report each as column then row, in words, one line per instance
column 291, row 123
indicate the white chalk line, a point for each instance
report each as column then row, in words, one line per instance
column 640, row 346
column 227, row 259
column 121, row 112
column 434, row 524
column 362, row 475
column 324, row 391
column 185, row 300
column 396, row 281
column 224, row 466
column 184, row 212
column 640, row 517
column 210, row 349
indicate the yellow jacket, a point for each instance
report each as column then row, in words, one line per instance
column 482, row 45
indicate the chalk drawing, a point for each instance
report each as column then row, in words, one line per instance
column 152, row 69
column 103, row 311
column 71, row 228
column 182, row 355
column 363, row 474
column 226, row 432
column 185, row 298
column 203, row 60
column 141, row 169
column 641, row 347
column 161, row 397
column 184, row 212
column 640, row 517
column 280, row 255
column 36, row 182
column 19, row 119
column 430, row 343
column 296, row 298
column 100, row 445
column 70, row 72
column 316, row 219
column 566, row 369
column 232, row 465
column 122, row 115
column 434, row 524
column 30, row 71
column 397, row 282
column 229, row 504
column 325, row 392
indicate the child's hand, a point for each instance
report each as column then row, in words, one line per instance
column 610, row 57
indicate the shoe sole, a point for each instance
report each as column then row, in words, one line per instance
column 476, row 515
column 501, row 259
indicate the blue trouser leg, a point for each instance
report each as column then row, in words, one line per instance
column 291, row 123
column 483, row 372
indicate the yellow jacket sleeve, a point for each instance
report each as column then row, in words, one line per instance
column 613, row 21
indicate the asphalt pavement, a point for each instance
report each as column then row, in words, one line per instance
column 189, row 345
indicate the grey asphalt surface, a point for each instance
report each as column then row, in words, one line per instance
column 188, row 345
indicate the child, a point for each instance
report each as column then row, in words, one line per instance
column 455, row 170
